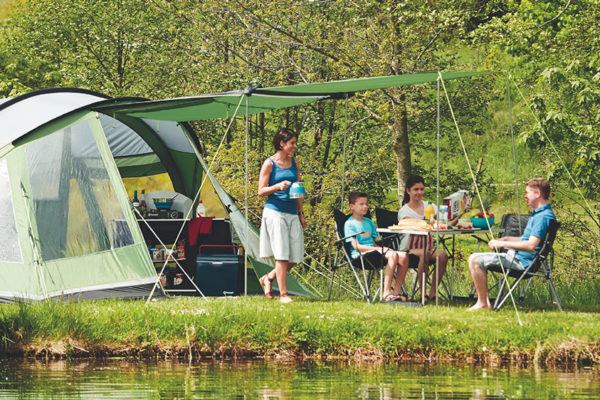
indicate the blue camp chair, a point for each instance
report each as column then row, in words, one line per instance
column 541, row 267
column 364, row 266
column 511, row 225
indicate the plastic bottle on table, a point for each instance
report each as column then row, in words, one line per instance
column 429, row 211
column 200, row 210
column 444, row 215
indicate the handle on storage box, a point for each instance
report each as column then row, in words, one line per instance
column 218, row 245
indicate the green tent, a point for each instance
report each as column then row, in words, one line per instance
column 65, row 220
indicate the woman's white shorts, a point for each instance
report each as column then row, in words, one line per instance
column 281, row 236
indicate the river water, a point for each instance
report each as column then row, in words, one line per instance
column 118, row 379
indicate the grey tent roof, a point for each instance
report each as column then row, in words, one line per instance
column 140, row 146
column 255, row 100
column 21, row 115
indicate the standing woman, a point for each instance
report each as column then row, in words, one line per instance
column 281, row 230
column 413, row 206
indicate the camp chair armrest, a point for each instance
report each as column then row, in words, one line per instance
column 481, row 240
column 342, row 240
column 385, row 241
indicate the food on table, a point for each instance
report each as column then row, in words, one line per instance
column 411, row 224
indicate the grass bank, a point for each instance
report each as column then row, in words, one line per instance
column 255, row 327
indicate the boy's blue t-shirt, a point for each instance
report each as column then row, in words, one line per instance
column 353, row 226
column 537, row 225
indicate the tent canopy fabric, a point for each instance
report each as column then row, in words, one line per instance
column 259, row 100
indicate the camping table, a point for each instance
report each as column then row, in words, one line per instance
column 442, row 233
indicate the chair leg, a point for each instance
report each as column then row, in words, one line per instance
column 554, row 293
column 497, row 302
column 510, row 290
column 524, row 290
column 331, row 284
column 363, row 290
column 415, row 285
column 381, row 273
column 367, row 291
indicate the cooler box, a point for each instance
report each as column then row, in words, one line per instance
column 220, row 274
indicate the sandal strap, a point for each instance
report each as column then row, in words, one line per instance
column 283, row 294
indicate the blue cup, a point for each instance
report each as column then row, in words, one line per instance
column 297, row 190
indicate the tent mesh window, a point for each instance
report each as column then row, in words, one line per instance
column 76, row 206
column 10, row 249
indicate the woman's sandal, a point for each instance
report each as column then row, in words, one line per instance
column 267, row 286
column 285, row 298
column 390, row 298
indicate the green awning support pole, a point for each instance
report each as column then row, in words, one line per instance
column 246, row 199
column 514, row 151
column 344, row 151
column 437, row 194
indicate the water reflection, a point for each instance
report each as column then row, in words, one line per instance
column 118, row 379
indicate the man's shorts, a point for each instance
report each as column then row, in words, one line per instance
column 281, row 236
column 509, row 260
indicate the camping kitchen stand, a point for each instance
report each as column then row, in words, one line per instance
column 211, row 260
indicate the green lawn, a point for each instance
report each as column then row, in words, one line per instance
column 257, row 327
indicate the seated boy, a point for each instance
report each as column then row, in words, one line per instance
column 363, row 243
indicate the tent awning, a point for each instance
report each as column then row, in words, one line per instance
column 196, row 108
column 349, row 86
column 259, row 100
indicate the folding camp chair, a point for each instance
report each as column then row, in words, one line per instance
column 363, row 267
column 541, row 266
column 386, row 218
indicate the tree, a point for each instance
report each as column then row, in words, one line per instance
column 124, row 47
column 362, row 38
column 555, row 48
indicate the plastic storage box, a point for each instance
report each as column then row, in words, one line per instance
column 220, row 274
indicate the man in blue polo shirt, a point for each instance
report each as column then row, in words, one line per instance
column 522, row 250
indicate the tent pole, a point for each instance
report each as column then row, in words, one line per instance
column 437, row 194
column 344, row 151
column 514, row 152
column 36, row 251
column 246, row 201
column 462, row 144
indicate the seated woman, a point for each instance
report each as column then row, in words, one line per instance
column 413, row 206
